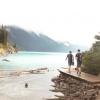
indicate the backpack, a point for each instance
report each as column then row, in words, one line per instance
column 79, row 56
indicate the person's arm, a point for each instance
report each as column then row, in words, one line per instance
column 66, row 57
column 81, row 57
column 72, row 58
column 76, row 56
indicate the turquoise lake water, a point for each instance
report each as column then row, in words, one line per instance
column 31, row 60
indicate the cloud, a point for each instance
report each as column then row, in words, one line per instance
column 76, row 21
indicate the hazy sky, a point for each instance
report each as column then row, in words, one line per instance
column 76, row 21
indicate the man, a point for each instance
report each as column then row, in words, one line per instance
column 70, row 58
column 79, row 61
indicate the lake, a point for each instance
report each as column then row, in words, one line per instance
column 12, row 88
column 31, row 60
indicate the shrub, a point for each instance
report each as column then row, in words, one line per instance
column 91, row 62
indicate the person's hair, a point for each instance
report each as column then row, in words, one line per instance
column 78, row 50
column 70, row 51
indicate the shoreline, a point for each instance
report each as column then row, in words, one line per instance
column 16, row 72
column 39, row 85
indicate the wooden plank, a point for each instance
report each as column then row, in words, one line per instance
column 84, row 76
column 98, row 97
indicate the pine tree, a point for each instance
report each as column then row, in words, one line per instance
column 96, row 45
column 97, row 37
column 3, row 36
column 91, row 60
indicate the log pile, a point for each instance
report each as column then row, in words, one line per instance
column 74, row 89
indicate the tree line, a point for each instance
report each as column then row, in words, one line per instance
column 3, row 36
column 91, row 58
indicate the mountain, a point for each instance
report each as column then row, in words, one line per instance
column 75, row 47
column 30, row 41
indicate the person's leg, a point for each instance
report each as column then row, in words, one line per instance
column 80, row 70
column 69, row 69
column 77, row 68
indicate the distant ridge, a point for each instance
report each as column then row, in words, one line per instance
column 30, row 41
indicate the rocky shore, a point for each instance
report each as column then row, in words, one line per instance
column 74, row 89
column 5, row 51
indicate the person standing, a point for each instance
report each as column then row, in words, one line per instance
column 79, row 61
column 70, row 58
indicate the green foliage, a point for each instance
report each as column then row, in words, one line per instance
column 91, row 61
column 3, row 36
column 91, row 58
column 14, row 46
column 97, row 37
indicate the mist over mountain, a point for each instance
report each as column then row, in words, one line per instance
column 30, row 41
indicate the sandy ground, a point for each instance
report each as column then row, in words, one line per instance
column 13, row 88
